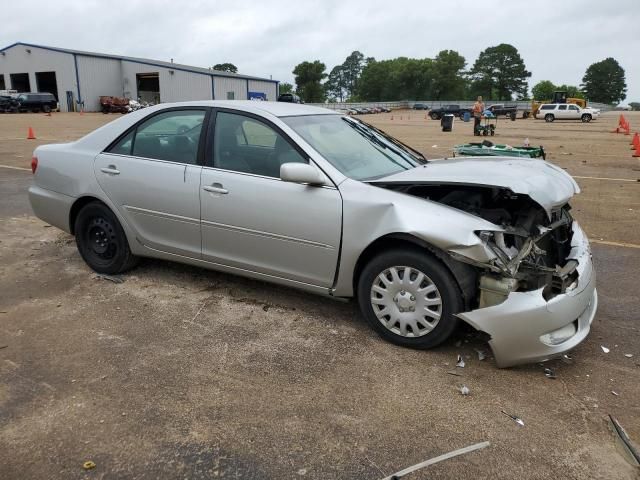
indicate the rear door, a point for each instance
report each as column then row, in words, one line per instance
column 152, row 174
column 252, row 220
column 562, row 112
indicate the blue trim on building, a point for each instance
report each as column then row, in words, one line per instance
column 130, row 59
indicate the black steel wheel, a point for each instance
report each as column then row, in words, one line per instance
column 101, row 240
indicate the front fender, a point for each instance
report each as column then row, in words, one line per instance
column 371, row 212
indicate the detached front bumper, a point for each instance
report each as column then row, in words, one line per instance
column 520, row 326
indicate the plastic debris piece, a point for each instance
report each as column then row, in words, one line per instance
column 464, row 390
column 518, row 420
column 615, row 393
column 88, row 465
column 455, row 373
column 549, row 373
column 111, row 278
column 628, row 355
column 434, row 146
column 481, row 355
column 460, row 362
column 604, row 349
column 631, row 454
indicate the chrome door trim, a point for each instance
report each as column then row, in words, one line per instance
column 154, row 213
column 260, row 233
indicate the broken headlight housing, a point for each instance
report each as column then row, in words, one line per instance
column 509, row 248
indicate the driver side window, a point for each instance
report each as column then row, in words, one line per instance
column 244, row 144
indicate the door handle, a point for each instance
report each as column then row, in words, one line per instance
column 111, row 170
column 215, row 188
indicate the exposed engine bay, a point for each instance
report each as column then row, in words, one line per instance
column 531, row 253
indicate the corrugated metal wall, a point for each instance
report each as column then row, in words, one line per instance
column 99, row 76
column 269, row 88
column 18, row 60
column 224, row 85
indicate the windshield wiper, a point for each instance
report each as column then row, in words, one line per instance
column 397, row 142
column 373, row 138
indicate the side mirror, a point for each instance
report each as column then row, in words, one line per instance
column 301, row 173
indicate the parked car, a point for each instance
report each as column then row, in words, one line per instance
column 566, row 111
column 420, row 106
column 289, row 98
column 308, row 198
column 37, row 102
column 455, row 110
column 8, row 104
column 502, row 109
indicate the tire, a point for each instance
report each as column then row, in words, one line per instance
column 549, row 118
column 434, row 116
column 374, row 296
column 46, row 109
column 101, row 240
column 586, row 118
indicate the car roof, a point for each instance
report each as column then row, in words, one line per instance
column 278, row 109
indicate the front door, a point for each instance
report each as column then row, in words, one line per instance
column 574, row 112
column 254, row 221
column 152, row 175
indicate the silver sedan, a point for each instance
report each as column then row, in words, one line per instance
column 311, row 199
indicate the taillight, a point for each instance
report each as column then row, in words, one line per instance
column 34, row 164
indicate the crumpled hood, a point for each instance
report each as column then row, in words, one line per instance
column 544, row 183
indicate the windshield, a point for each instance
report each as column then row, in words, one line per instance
column 357, row 149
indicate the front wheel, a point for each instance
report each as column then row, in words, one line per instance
column 586, row 118
column 101, row 240
column 549, row 118
column 409, row 298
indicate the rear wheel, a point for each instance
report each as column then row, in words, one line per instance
column 409, row 298
column 46, row 109
column 586, row 118
column 434, row 116
column 549, row 118
column 101, row 240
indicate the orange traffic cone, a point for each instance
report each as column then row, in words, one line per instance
column 636, row 154
column 30, row 134
column 635, row 143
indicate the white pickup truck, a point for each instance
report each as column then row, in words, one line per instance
column 566, row 111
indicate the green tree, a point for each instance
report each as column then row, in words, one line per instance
column 285, row 87
column 351, row 69
column 499, row 73
column 605, row 82
column 448, row 82
column 308, row 77
column 543, row 90
column 225, row 67
column 635, row 106
column 396, row 79
column 336, row 84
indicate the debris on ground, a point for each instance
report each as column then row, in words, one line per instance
column 3, row 346
column 481, row 355
column 111, row 278
column 460, row 362
column 88, row 465
column 455, row 373
column 615, row 393
column 628, row 355
column 549, row 373
column 518, row 420
column 464, row 390
column 432, row 461
column 605, row 349
column 630, row 453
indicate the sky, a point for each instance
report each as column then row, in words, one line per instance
column 557, row 39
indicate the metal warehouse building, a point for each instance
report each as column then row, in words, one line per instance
column 74, row 76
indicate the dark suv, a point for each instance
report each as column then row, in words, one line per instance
column 8, row 104
column 37, row 102
column 289, row 97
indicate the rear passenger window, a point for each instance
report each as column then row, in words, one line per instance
column 562, row 107
column 173, row 136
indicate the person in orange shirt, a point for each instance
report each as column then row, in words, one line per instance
column 477, row 110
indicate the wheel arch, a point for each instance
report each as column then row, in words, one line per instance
column 78, row 205
column 464, row 275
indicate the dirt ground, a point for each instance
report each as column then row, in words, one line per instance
column 180, row 372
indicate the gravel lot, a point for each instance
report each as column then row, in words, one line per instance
column 180, row 372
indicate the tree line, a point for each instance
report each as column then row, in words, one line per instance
column 499, row 73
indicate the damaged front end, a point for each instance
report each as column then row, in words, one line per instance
column 536, row 259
